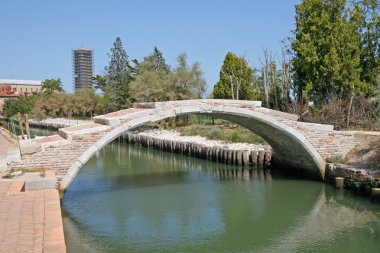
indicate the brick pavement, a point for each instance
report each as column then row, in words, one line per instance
column 30, row 221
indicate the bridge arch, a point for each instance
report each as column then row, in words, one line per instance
column 291, row 148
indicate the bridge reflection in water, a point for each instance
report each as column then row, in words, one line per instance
column 140, row 200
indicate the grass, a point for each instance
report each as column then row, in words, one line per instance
column 11, row 174
column 220, row 132
column 336, row 159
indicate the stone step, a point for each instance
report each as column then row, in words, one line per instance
column 115, row 118
column 69, row 132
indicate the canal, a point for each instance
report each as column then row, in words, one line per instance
column 132, row 199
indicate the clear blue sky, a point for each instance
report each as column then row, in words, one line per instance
column 37, row 36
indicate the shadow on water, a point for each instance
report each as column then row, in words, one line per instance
column 131, row 199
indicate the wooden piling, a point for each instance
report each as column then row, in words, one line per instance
column 20, row 124
column 375, row 195
column 339, row 182
column 239, row 157
column 27, row 125
column 260, row 159
column 245, row 157
column 253, row 158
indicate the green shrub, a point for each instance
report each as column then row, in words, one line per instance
column 234, row 136
column 336, row 159
column 216, row 133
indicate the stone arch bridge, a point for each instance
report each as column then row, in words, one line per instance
column 297, row 145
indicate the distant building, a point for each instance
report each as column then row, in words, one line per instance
column 17, row 88
column 9, row 87
column 83, row 68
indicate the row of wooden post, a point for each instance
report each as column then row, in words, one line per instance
column 260, row 157
column 26, row 125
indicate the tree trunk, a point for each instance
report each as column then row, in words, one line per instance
column 275, row 95
column 232, row 87
column 349, row 110
column 266, row 92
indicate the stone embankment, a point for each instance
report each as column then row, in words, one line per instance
column 243, row 154
column 360, row 181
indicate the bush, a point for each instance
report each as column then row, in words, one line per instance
column 22, row 105
column 216, row 134
column 336, row 159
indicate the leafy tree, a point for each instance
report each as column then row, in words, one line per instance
column 160, row 83
column 376, row 98
column 12, row 106
column 327, row 50
column 152, row 86
column 51, row 85
column 370, row 39
column 188, row 80
column 156, row 61
column 235, row 81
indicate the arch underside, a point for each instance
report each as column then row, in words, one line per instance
column 291, row 149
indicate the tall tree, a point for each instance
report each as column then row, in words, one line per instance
column 118, row 70
column 235, row 79
column 188, row 80
column 118, row 75
column 370, row 39
column 327, row 50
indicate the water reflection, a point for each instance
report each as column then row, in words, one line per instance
column 139, row 200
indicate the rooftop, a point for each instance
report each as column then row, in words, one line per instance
column 20, row 82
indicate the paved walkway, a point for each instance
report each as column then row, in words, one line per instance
column 30, row 221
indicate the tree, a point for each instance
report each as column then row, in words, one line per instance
column 235, row 79
column 327, row 50
column 51, row 85
column 118, row 75
column 370, row 40
column 156, row 61
column 152, row 86
column 156, row 82
column 12, row 106
column 188, row 81
column 100, row 82
column 118, row 70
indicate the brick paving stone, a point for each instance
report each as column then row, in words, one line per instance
column 30, row 221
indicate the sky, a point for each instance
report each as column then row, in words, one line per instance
column 37, row 37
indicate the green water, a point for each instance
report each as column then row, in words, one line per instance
column 132, row 199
